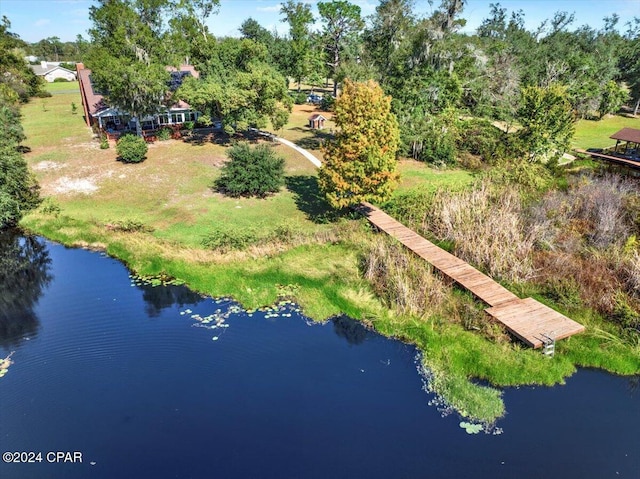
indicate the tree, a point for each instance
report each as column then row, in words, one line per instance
column 243, row 92
column 18, row 82
column 299, row 17
column 251, row 172
column 19, row 191
column 390, row 26
column 342, row 22
column 613, row 97
column 188, row 40
column 252, row 30
column 547, row 121
column 360, row 162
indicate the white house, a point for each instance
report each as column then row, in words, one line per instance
column 51, row 71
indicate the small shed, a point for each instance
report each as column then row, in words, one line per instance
column 316, row 122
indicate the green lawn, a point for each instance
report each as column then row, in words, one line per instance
column 419, row 175
column 595, row 134
column 62, row 87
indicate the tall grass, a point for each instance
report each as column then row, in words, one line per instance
column 405, row 282
column 487, row 228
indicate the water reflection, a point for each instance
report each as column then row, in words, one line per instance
column 349, row 329
column 24, row 274
column 159, row 298
column 634, row 385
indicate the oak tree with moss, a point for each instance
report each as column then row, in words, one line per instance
column 360, row 162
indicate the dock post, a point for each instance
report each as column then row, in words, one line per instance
column 549, row 345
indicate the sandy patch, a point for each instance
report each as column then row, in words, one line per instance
column 66, row 185
column 48, row 165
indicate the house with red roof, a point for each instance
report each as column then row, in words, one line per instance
column 113, row 122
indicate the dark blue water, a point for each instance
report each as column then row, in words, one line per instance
column 125, row 375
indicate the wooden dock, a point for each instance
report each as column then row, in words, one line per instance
column 626, row 161
column 527, row 319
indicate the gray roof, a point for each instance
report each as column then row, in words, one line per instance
column 38, row 70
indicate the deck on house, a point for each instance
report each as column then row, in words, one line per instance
column 527, row 319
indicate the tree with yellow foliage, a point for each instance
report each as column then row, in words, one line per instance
column 360, row 162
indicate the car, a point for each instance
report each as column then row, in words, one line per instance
column 313, row 98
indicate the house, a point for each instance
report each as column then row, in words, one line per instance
column 316, row 122
column 100, row 115
column 51, row 71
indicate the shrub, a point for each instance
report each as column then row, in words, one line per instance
column 251, row 172
column 131, row 148
column 43, row 94
column 50, row 207
column 104, row 143
column 60, row 80
column 328, row 103
column 299, row 98
column 230, row 240
column 189, row 125
column 593, row 210
column 204, row 121
column 481, row 138
column 130, row 226
column 165, row 134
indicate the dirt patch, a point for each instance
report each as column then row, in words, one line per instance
column 66, row 185
column 48, row 166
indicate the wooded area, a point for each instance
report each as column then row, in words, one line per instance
column 434, row 72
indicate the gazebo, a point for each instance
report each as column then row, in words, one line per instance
column 316, row 122
column 630, row 138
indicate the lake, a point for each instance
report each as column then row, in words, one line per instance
column 159, row 382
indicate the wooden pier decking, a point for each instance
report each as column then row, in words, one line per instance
column 527, row 319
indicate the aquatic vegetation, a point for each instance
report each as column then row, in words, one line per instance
column 4, row 364
column 161, row 279
column 471, row 428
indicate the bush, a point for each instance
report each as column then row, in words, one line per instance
column 130, row 226
column 104, row 143
column 131, row 148
column 251, row 172
column 230, row 240
column 165, row 134
column 189, row 125
column 60, row 80
column 481, row 138
column 42, row 94
column 328, row 102
column 299, row 98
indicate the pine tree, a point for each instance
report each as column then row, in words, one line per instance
column 360, row 163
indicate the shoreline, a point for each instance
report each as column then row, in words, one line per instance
column 457, row 386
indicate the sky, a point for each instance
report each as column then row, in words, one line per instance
column 34, row 20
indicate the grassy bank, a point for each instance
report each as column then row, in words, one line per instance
column 157, row 216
